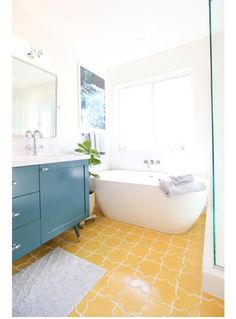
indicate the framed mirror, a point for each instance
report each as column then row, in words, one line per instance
column 34, row 97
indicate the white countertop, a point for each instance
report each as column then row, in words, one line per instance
column 44, row 159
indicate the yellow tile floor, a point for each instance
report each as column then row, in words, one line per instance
column 149, row 274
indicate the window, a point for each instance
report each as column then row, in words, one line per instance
column 157, row 115
column 135, row 131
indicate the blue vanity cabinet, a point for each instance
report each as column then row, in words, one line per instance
column 25, row 239
column 25, row 180
column 26, row 234
column 47, row 200
column 64, row 194
column 25, row 209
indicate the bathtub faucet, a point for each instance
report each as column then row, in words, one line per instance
column 146, row 162
column 151, row 162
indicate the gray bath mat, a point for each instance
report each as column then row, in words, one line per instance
column 53, row 285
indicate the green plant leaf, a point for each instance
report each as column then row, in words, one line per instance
column 95, row 161
column 96, row 176
column 86, row 151
column 87, row 145
column 79, row 150
column 85, row 148
column 94, row 152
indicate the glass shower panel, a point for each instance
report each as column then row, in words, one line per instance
column 217, row 72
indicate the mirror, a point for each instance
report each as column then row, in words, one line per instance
column 34, row 99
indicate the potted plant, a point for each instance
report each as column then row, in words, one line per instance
column 86, row 148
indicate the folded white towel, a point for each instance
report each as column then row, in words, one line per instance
column 170, row 189
column 100, row 144
column 97, row 141
column 182, row 179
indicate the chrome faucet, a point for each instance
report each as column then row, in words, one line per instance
column 28, row 133
column 151, row 162
column 146, row 162
column 34, row 135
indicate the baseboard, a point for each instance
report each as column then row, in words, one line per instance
column 213, row 282
column 212, row 276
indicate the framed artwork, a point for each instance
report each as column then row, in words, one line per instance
column 92, row 100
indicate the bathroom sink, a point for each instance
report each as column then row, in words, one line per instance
column 44, row 159
column 51, row 155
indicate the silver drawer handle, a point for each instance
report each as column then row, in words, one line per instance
column 16, row 246
column 14, row 183
column 44, row 169
column 14, row 214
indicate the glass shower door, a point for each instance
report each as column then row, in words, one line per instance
column 217, row 94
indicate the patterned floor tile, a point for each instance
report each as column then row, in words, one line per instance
column 97, row 306
column 133, row 300
column 190, row 282
column 148, row 273
column 155, row 310
column 210, row 308
column 187, row 302
column 163, row 292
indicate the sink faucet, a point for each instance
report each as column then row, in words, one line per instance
column 34, row 135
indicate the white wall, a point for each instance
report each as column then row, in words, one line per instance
column 194, row 56
column 59, row 58
column 62, row 60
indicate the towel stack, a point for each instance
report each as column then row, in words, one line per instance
column 178, row 185
column 182, row 179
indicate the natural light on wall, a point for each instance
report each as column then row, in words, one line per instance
column 135, row 114
column 157, row 114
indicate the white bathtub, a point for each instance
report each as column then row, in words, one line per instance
column 135, row 197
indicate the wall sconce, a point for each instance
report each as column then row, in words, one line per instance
column 34, row 53
column 21, row 46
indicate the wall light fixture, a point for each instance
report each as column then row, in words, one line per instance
column 35, row 53
column 21, row 46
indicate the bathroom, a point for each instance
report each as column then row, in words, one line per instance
column 117, row 186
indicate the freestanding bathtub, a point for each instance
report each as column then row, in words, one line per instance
column 135, row 197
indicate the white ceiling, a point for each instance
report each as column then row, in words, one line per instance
column 117, row 31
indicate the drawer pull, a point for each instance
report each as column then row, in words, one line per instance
column 45, row 169
column 14, row 183
column 16, row 246
column 14, row 214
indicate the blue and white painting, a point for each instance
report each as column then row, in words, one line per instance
column 92, row 92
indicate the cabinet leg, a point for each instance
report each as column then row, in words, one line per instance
column 76, row 229
column 82, row 224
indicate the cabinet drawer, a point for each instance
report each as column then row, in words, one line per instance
column 25, row 239
column 25, row 180
column 25, row 209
